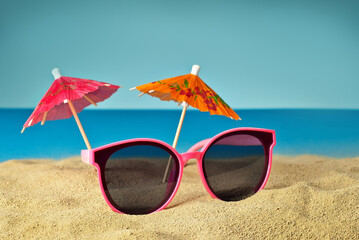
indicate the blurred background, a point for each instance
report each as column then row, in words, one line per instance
column 287, row 65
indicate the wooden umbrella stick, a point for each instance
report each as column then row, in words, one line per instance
column 29, row 124
column 79, row 124
column 185, row 106
column 88, row 99
column 44, row 118
column 174, row 145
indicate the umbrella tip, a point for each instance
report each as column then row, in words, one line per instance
column 195, row 69
column 56, row 73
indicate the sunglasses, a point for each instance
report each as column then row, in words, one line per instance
column 142, row 176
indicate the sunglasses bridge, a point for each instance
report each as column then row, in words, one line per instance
column 190, row 155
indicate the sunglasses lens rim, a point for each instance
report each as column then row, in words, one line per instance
column 267, row 141
column 102, row 156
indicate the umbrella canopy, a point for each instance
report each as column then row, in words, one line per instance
column 191, row 89
column 68, row 96
column 82, row 93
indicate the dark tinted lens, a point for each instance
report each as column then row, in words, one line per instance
column 132, row 178
column 235, row 166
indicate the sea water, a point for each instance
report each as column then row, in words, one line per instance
column 333, row 133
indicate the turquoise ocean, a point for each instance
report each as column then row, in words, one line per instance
column 333, row 133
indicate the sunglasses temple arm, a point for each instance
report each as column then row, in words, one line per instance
column 198, row 145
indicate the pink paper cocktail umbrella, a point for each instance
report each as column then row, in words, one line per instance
column 66, row 97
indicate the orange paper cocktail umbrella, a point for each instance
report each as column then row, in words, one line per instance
column 190, row 90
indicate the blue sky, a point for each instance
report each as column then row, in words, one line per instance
column 255, row 54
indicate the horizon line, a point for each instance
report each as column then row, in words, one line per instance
column 194, row 109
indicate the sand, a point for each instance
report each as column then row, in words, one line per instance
column 306, row 197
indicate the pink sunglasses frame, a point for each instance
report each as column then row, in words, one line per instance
column 197, row 152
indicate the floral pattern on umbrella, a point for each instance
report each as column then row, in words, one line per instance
column 191, row 89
